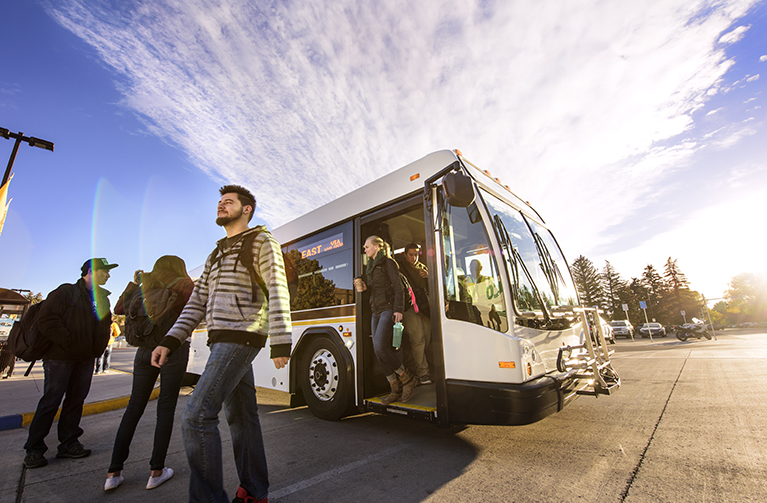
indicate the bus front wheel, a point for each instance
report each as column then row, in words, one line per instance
column 326, row 380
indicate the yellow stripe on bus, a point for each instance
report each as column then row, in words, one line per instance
column 325, row 321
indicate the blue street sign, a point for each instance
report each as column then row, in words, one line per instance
column 642, row 304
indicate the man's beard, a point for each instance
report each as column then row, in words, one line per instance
column 222, row 221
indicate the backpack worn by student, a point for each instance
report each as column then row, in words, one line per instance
column 26, row 341
column 149, row 314
column 245, row 257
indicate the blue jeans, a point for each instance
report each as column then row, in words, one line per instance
column 226, row 381
column 383, row 330
column 144, row 376
column 62, row 377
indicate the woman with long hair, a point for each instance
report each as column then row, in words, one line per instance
column 387, row 302
column 169, row 272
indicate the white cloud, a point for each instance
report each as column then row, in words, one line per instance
column 762, row 59
column 578, row 108
column 734, row 35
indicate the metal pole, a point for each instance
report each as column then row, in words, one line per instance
column 649, row 330
column 13, row 158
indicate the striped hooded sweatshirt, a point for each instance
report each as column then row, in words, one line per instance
column 235, row 310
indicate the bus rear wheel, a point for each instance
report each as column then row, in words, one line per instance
column 326, row 379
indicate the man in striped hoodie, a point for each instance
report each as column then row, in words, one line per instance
column 242, row 305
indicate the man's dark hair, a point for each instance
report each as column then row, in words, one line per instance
column 412, row 246
column 243, row 194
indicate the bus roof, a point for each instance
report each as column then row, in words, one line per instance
column 395, row 185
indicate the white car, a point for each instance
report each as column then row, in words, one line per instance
column 622, row 328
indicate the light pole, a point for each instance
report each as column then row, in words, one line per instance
column 19, row 137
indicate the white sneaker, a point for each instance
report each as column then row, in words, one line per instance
column 113, row 482
column 156, row 481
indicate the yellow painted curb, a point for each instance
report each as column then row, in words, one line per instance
column 95, row 407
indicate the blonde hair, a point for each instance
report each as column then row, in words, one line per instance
column 381, row 244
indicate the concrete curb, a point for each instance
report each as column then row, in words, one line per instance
column 14, row 421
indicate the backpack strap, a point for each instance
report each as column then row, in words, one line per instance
column 246, row 259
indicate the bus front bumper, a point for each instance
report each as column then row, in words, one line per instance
column 471, row 402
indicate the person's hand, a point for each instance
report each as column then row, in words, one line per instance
column 397, row 317
column 359, row 285
column 280, row 362
column 160, row 356
column 423, row 273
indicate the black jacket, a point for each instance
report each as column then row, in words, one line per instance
column 385, row 287
column 86, row 334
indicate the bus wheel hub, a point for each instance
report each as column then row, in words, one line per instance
column 323, row 375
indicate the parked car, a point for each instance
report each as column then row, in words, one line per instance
column 622, row 328
column 656, row 329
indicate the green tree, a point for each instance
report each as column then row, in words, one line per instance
column 616, row 292
column 677, row 297
column 747, row 297
column 34, row 298
column 655, row 288
column 588, row 282
column 314, row 290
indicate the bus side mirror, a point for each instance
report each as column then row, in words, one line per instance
column 459, row 190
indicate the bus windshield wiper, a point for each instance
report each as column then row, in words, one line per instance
column 515, row 261
column 548, row 266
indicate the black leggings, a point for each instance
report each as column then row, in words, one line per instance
column 144, row 377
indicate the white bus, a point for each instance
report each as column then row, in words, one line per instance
column 510, row 349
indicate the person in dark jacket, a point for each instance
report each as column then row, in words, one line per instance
column 417, row 324
column 76, row 318
column 387, row 302
column 169, row 271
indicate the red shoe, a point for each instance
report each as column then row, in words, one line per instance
column 244, row 497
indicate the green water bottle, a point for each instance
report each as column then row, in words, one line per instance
column 396, row 340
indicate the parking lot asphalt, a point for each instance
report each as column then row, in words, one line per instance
column 688, row 424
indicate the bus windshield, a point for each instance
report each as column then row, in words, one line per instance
column 542, row 259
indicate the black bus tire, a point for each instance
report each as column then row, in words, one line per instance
column 325, row 379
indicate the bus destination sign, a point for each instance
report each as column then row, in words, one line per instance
column 322, row 246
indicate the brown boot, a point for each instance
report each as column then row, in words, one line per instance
column 396, row 392
column 409, row 382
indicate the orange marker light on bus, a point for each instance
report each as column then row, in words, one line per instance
column 415, row 177
column 507, row 365
column 458, row 152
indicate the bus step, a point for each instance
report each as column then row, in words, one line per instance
column 402, row 409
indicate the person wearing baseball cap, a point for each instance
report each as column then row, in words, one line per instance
column 76, row 319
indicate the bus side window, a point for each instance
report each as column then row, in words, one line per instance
column 325, row 272
column 472, row 284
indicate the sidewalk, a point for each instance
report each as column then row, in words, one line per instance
column 19, row 394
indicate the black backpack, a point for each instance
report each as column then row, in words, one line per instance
column 245, row 257
column 149, row 314
column 26, row 341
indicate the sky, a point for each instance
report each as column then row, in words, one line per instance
column 636, row 129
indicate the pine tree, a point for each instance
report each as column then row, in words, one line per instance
column 675, row 279
column 616, row 292
column 587, row 281
column 655, row 288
